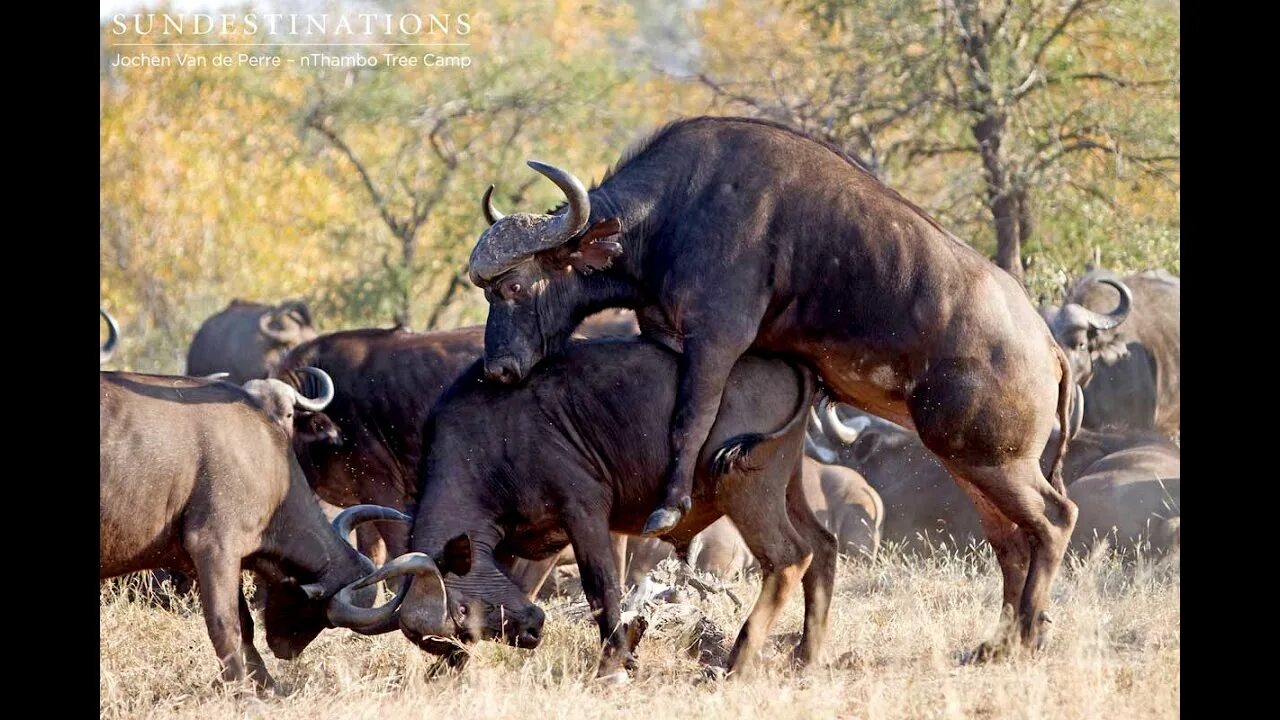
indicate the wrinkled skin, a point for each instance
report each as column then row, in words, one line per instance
column 579, row 451
column 195, row 476
column 1131, row 374
column 727, row 234
column 248, row 339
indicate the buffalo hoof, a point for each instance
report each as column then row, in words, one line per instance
column 617, row 678
column 985, row 653
column 662, row 521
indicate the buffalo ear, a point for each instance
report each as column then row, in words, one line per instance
column 456, row 556
column 594, row 251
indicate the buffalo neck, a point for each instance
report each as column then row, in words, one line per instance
column 300, row 540
column 449, row 505
column 636, row 198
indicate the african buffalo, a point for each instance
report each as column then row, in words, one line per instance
column 580, row 450
column 727, row 234
column 1124, row 340
column 1123, row 479
column 113, row 338
column 389, row 379
column 247, row 339
column 195, row 475
column 1129, row 489
column 847, row 505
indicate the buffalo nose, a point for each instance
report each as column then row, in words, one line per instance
column 504, row 370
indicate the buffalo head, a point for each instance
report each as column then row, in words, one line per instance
column 113, row 338
column 530, row 267
column 1083, row 333
column 298, row 409
column 475, row 601
column 296, row 612
column 288, row 324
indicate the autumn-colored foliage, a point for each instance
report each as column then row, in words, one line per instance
column 358, row 188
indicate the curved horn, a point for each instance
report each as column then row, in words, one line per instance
column 817, row 452
column 113, row 337
column 1112, row 319
column 491, row 213
column 575, row 220
column 342, row 612
column 281, row 336
column 325, row 397
column 846, row 433
column 217, row 376
column 1076, row 418
column 356, row 514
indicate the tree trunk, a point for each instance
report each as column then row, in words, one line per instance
column 1002, row 199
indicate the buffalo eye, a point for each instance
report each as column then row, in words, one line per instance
column 512, row 289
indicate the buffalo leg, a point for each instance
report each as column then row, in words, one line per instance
column 370, row 543
column 1014, row 555
column 620, row 557
column 594, row 552
column 704, row 371
column 819, row 579
column 531, row 575
column 218, row 577
column 1045, row 518
column 784, row 559
column 253, row 661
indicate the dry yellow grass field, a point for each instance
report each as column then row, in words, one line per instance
column 897, row 627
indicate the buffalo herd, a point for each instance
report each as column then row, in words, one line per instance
column 739, row 348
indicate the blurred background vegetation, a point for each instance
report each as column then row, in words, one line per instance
column 1043, row 132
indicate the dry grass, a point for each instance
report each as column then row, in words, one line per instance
column 896, row 630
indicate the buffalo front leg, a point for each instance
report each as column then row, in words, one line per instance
column 704, row 370
column 593, row 549
column 218, row 575
column 253, row 661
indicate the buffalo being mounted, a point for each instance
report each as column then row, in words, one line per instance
column 1124, row 339
column 247, row 339
column 197, row 474
column 727, row 234
column 581, row 450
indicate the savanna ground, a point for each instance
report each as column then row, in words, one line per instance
column 897, row 628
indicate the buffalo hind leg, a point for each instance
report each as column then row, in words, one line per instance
column 784, row 558
column 1045, row 518
column 819, row 580
column 1014, row 555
